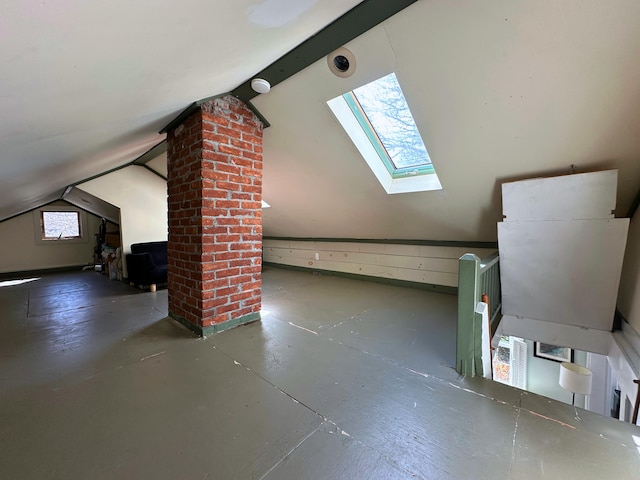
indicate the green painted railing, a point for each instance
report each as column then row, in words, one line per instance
column 490, row 286
column 478, row 280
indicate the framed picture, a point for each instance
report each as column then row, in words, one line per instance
column 552, row 352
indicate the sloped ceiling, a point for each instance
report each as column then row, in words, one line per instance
column 92, row 204
column 85, row 86
column 500, row 91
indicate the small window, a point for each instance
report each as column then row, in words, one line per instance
column 60, row 225
column 378, row 120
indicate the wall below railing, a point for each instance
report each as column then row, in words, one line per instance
column 426, row 263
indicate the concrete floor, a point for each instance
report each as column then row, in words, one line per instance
column 341, row 379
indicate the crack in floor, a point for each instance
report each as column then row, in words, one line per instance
column 396, row 364
column 290, row 452
column 513, row 443
column 325, row 420
column 271, row 383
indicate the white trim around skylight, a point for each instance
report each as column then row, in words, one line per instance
column 349, row 122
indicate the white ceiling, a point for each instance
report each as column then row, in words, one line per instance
column 86, row 86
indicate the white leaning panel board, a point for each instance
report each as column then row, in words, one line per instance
column 566, row 272
column 579, row 196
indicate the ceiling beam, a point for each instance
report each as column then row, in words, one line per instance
column 352, row 24
column 152, row 153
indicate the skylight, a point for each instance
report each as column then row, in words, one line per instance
column 378, row 120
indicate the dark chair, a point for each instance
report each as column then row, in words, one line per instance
column 147, row 264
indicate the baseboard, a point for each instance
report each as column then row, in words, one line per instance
column 218, row 327
column 42, row 271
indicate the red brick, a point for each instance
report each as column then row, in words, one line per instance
column 227, row 255
column 215, row 303
column 240, row 179
column 230, row 132
column 218, row 247
column 230, row 150
column 251, row 155
column 215, row 175
column 242, row 196
column 242, row 230
column 210, row 248
column 219, row 120
column 252, row 285
column 252, row 269
column 210, row 139
column 227, row 204
column 243, row 311
column 244, row 128
column 251, row 189
column 228, row 168
column 242, row 280
column 252, row 172
column 212, row 155
column 230, row 185
column 228, row 272
column 243, row 162
column 227, row 291
column 228, row 308
column 210, row 282
column 242, row 145
column 214, row 193
column 240, row 263
column 227, row 239
column 241, row 296
column 255, row 238
column 228, row 221
column 249, row 205
column 240, row 246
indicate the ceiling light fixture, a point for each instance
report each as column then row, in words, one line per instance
column 260, row 85
column 342, row 62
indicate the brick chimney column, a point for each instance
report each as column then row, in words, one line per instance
column 215, row 217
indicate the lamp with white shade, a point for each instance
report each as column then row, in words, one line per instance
column 576, row 379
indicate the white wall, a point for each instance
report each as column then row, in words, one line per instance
column 159, row 164
column 142, row 199
column 21, row 252
column 602, row 392
column 543, row 376
column 435, row 265
column 629, row 293
column 499, row 90
column 561, row 252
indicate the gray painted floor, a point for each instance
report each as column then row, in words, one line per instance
column 342, row 379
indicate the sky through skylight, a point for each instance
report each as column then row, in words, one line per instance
column 384, row 104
